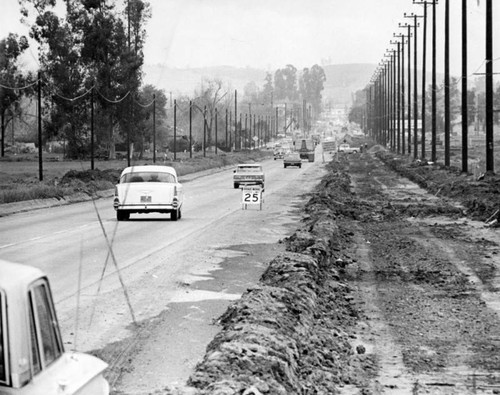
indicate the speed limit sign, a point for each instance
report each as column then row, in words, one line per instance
column 251, row 195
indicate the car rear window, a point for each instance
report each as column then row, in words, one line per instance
column 147, row 177
column 248, row 169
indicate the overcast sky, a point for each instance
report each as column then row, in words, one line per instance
column 270, row 34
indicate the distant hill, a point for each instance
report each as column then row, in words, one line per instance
column 186, row 81
column 342, row 81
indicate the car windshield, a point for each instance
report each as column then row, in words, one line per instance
column 249, row 169
column 150, row 176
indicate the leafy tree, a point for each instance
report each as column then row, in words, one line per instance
column 251, row 92
column 90, row 50
column 145, row 114
column 285, row 83
column 211, row 94
column 10, row 76
column 268, row 89
column 357, row 110
column 311, row 84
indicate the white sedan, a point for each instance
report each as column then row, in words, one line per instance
column 148, row 189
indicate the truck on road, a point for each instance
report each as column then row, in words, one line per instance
column 306, row 150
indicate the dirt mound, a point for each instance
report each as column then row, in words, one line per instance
column 479, row 196
column 292, row 333
column 376, row 148
column 87, row 176
column 90, row 181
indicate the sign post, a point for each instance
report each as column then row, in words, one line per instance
column 251, row 194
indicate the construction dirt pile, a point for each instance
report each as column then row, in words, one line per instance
column 477, row 195
column 382, row 288
column 292, row 334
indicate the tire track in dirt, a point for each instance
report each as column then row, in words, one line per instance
column 436, row 336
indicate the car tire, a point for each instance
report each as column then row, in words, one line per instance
column 236, row 185
column 300, row 166
column 122, row 215
column 174, row 215
column 284, row 166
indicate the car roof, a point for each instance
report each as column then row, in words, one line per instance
column 149, row 168
column 15, row 275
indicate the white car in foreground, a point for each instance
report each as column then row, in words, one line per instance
column 32, row 356
column 148, row 189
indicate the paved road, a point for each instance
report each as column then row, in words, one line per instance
column 173, row 279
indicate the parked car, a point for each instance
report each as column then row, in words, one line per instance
column 148, row 189
column 292, row 159
column 32, row 356
column 248, row 174
column 348, row 149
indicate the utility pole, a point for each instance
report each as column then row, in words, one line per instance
column 40, row 157
column 447, row 122
column 215, row 130
column 235, row 116
column 465, row 121
column 205, row 131
column 434, row 86
column 402, row 82
column 408, row 26
column 277, row 121
column 424, row 63
column 191, row 128
column 154, row 128
column 175, row 130
column 490, row 160
column 226, row 127
column 92, row 129
column 415, row 82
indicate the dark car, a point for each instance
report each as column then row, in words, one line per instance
column 292, row 159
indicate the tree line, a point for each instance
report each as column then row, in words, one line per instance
column 90, row 66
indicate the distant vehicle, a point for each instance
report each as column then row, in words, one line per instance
column 279, row 154
column 348, row 149
column 148, row 189
column 306, row 150
column 248, row 174
column 32, row 356
column 292, row 159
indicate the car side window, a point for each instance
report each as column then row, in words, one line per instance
column 35, row 354
column 46, row 329
column 3, row 337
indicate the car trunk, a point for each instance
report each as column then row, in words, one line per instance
column 146, row 193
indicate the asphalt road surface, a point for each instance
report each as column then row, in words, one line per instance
column 145, row 294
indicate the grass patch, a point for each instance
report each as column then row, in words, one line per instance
column 19, row 179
